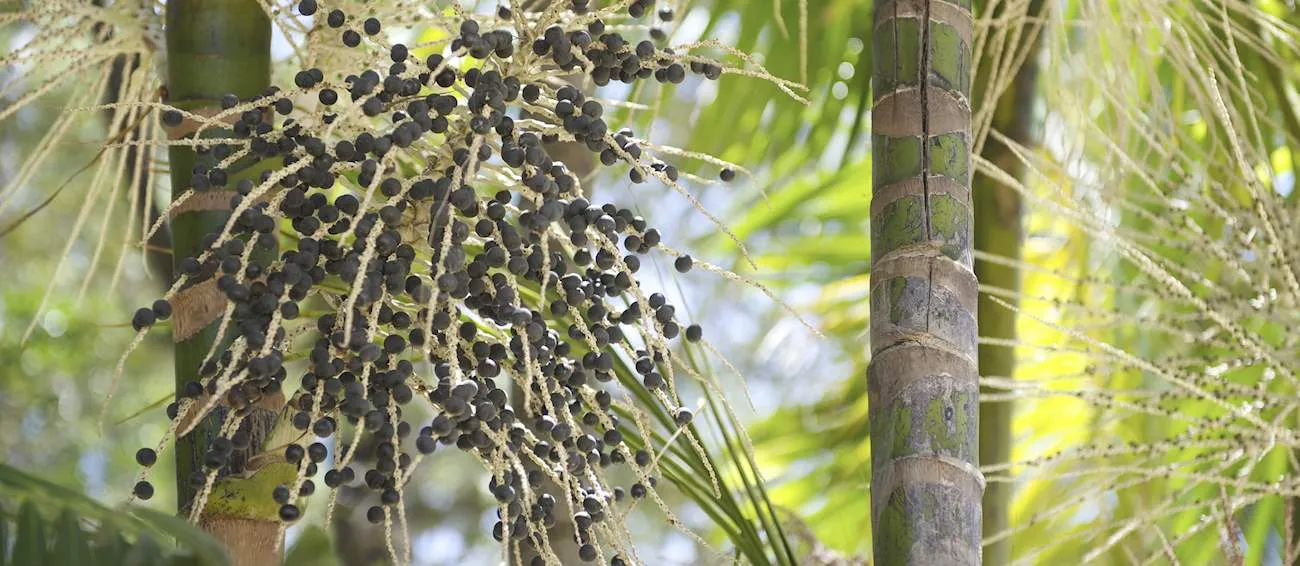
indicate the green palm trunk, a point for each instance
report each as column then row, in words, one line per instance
column 216, row 47
column 923, row 384
column 999, row 232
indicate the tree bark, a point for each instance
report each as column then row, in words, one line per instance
column 216, row 47
column 923, row 386
column 999, row 231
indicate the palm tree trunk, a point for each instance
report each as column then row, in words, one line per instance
column 923, row 383
column 999, row 231
column 215, row 47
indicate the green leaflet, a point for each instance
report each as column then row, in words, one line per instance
column 56, row 525
column 30, row 543
column 71, row 545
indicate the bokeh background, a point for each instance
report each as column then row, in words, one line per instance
column 1154, row 129
column 54, row 386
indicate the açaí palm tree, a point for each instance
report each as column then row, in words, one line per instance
column 923, row 379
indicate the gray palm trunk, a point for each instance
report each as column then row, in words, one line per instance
column 923, row 382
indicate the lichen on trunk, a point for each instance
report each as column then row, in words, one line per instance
column 922, row 381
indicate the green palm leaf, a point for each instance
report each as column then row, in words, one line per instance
column 56, row 525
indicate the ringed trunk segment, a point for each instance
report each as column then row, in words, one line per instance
column 217, row 47
column 923, row 384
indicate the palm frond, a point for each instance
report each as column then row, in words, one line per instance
column 56, row 525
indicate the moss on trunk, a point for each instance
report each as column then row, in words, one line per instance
column 923, row 386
